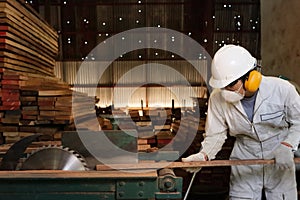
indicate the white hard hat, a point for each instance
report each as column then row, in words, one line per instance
column 230, row 63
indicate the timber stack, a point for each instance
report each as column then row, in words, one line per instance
column 32, row 99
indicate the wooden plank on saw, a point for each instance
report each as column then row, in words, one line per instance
column 213, row 163
column 73, row 174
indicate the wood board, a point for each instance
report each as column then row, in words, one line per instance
column 158, row 165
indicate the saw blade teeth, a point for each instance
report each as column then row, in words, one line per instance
column 77, row 155
column 32, row 152
column 49, row 147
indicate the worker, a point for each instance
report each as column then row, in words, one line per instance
column 263, row 114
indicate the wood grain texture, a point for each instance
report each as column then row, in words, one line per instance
column 158, row 165
column 74, row 174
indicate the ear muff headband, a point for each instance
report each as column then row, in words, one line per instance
column 253, row 81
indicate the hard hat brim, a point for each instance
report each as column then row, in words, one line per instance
column 218, row 83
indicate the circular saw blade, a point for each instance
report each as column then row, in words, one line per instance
column 54, row 158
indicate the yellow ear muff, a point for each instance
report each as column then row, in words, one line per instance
column 253, row 81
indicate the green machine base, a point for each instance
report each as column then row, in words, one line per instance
column 88, row 185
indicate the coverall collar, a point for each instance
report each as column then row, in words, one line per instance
column 262, row 94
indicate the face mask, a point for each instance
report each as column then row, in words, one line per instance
column 232, row 96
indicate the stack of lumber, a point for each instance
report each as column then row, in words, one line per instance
column 146, row 137
column 122, row 121
column 145, row 129
column 134, row 114
column 143, row 145
column 32, row 147
column 27, row 42
column 159, row 115
column 31, row 104
column 32, row 99
column 27, row 109
column 84, row 112
column 163, row 135
column 175, row 124
column 105, row 124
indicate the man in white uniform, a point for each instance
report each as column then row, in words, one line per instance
column 263, row 113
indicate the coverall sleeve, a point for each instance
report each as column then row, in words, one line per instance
column 293, row 117
column 215, row 127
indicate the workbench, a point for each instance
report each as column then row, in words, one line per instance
column 87, row 185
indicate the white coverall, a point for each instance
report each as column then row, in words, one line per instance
column 276, row 119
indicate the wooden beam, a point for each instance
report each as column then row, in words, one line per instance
column 159, row 165
column 73, row 174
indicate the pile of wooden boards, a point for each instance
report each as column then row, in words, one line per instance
column 32, row 99
column 27, row 42
column 27, row 109
column 31, row 104
column 146, row 136
column 164, row 135
column 153, row 127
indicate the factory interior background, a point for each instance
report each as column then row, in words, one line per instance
column 156, row 92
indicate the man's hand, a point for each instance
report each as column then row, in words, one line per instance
column 194, row 158
column 284, row 157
